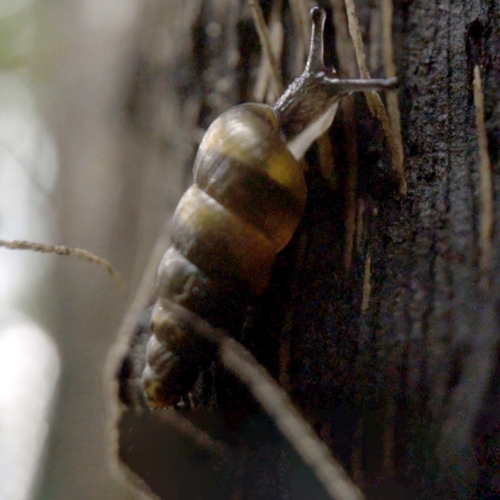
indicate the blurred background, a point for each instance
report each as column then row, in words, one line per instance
column 74, row 170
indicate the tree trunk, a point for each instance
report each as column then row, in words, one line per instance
column 385, row 337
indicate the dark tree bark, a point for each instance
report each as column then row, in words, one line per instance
column 394, row 359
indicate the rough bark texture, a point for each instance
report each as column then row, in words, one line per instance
column 405, row 391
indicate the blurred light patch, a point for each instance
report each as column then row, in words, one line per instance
column 29, row 360
column 29, row 370
column 10, row 8
column 109, row 14
column 28, row 173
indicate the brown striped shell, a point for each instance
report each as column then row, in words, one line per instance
column 245, row 203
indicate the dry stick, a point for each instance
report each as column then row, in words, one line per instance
column 326, row 158
column 367, row 284
column 360, row 224
column 343, row 42
column 302, row 21
column 260, row 26
column 392, row 98
column 357, row 40
column 120, row 348
column 199, row 437
column 485, row 190
column 141, row 301
column 351, row 148
column 288, row 420
column 373, row 98
column 347, row 67
column 79, row 253
column 262, row 91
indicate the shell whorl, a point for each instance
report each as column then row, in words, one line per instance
column 245, row 203
column 244, row 164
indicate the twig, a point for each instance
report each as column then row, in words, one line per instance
column 367, row 285
column 199, row 437
column 265, row 87
column 260, row 26
column 485, row 190
column 392, row 98
column 347, row 68
column 351, row 148
column 79, row 253
column 289, row 421
column 120, row 348
column 139, row 304
column 302, row 22
column 373, row 98
column 276, row 403
column 343, row 42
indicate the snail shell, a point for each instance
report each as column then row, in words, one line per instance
column 246, row 201
column 243, row 208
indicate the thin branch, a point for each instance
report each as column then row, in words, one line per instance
column 141, row 301
column 347, row 67
column 79, row 253
column 367, row 281
column 373, row 98
column 351, row 148
column 260, row 26
column 265, row 87
column 185, row 427
column 278, row 406
column 302, row 21
column 343, row 42
column 392, row 97
column 289, row 421
column 486, row 217
column 120, row 348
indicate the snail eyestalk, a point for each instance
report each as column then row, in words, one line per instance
column 315, row 60
column 361, row 85
column 304, row 118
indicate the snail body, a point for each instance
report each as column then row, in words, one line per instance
column 243, row 208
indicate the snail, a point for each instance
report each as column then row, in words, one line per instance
column 243, row 207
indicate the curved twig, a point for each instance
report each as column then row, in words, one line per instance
column 486, row 215
column 288, row 419
column 79, row 253
column 373, row 98
column 260, row 26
